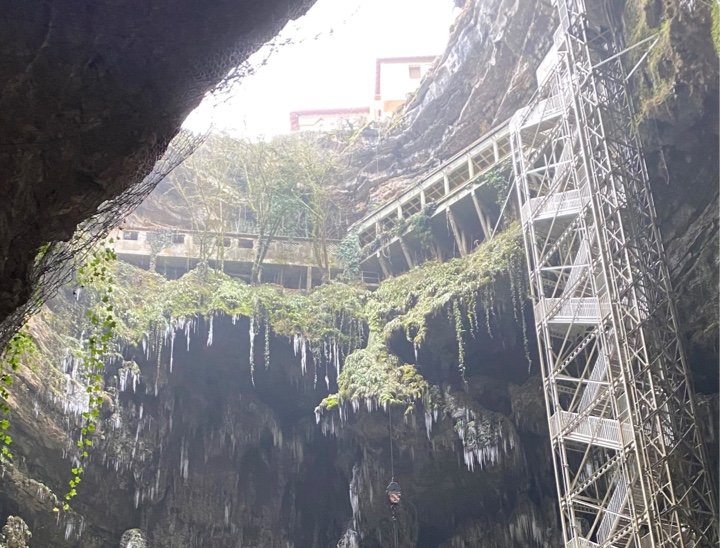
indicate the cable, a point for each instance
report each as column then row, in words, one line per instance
column 392, row 456
column 392, row 472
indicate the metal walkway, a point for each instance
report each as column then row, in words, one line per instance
column 460, row 220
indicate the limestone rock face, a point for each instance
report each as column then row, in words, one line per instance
column 133, row 538
column 488, row 72
column 197, row 454
column 15, row 533
column 485, row 75
column 92, row 93
column 677, row 104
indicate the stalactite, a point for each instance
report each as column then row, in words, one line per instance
column 210, row 330
column 267, row 344
column 172, row 349
column 300, row 345
column 252, row 349
column 459, row 331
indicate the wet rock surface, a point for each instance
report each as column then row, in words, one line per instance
column 201, row 456
column 133, row 538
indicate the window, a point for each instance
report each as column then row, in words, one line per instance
column 130, row 235
column 178, row 238
column 414, row 72
column 245, row 244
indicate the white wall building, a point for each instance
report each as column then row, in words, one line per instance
column 328, row 119
column 395, row 78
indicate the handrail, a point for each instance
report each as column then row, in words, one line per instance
column 430, row 177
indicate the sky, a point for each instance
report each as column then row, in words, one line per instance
column 330, row 62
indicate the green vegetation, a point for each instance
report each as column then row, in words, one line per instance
column 97, row 273
column 418, row 226
column 459, row 289
column 408, row 301
column 495, row 180
column 467, row 291
column 287, row 186
column 21, row 347
column 716, row 26
column 146, row 303
column 652, row 93
column 350, row 255
column 374, row 376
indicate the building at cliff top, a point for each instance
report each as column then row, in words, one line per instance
column 326, row 119
column 395, row 79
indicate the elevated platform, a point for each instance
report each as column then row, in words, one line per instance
column 603, row 432
column 289, row 261
column 459, row 220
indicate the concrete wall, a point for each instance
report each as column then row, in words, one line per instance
column 396, row 83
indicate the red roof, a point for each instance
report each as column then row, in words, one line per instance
column 391, row 60
column 295, row 115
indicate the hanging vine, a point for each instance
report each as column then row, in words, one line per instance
column 349, row 253
column 19, row 348
column 96, row 274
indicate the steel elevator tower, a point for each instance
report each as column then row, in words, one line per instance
column 630, row 466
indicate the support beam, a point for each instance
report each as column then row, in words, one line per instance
column 308, row 282
column 383, row 265
column 484, row 223
column 446, row 184
column 406, row 253
column 437, row 246
column 459, row 237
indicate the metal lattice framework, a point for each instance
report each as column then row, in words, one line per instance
column 630, row 464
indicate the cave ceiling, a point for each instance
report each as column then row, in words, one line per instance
column 91, row 93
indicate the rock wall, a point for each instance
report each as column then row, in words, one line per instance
column 486, row 74
column 193, row 453
column 677, row 103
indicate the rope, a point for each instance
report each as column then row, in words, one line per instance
column 392, row 472
column 392, row 456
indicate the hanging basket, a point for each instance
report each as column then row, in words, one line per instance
column 394, row 493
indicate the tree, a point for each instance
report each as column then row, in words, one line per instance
column 268, row 188
column 313, row 162
column 272, row 191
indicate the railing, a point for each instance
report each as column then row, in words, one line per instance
column 617, row 503
column 441, row 184
column 572, row 310
column 541, row 111
column 228, row 247
column 581, row 262
column 579, row 542
column 370, row 278
column 595, row 381
column 595, row 430
column 556, row 205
